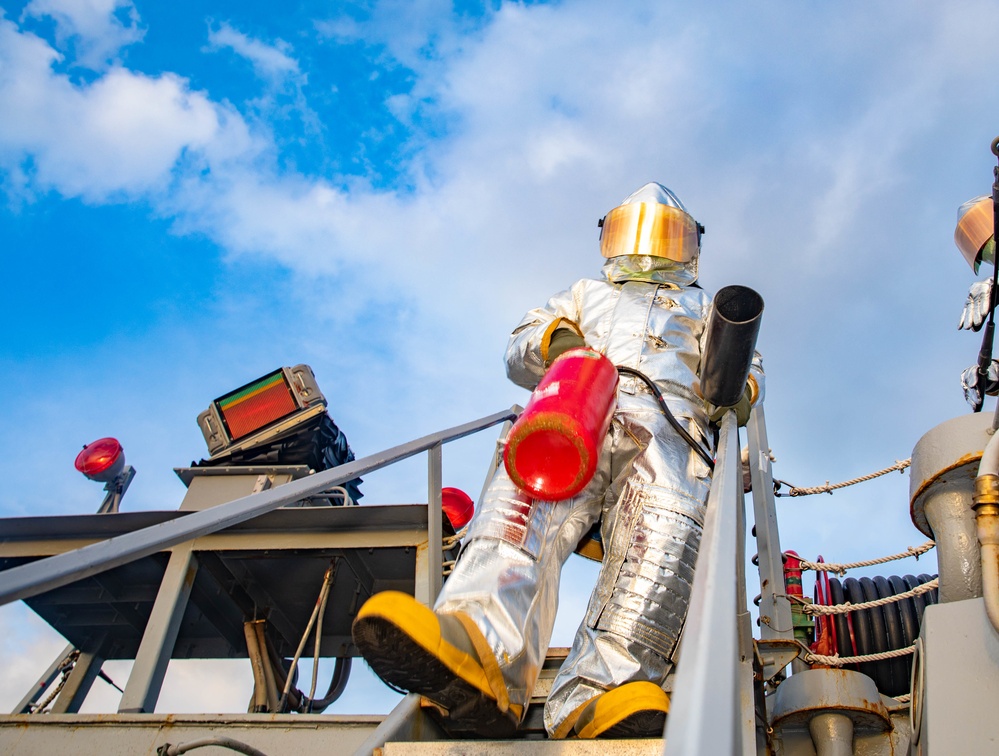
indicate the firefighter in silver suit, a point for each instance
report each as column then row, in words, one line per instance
column 975, row 239
column 477, row 655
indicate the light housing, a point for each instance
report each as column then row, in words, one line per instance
column 457, row 506
column 261, row 410
column 101, row 460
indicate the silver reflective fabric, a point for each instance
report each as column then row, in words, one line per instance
column 655, row 192
column 650, row 490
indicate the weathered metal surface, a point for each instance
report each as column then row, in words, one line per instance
column 806, row 695
column 142, row 734
column 78, row 684
column 777, row 653
column 207, row 488
column 941, row 483
column 957, row 673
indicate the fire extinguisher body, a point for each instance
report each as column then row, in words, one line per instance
column 553, row 449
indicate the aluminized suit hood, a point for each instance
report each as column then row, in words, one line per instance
column 647, row 268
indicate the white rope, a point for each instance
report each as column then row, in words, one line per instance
column 67, row 666
column 847, row 607
column 829, row 488
column 839, row 661
column 841, row 569
column 64, row 677
column 448, row 543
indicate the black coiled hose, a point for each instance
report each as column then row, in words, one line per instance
column 881, row 628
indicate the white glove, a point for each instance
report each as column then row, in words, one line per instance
column 976, row 308
column 969, row 382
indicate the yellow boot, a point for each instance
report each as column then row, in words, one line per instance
column 634, row 710
column 444, row 658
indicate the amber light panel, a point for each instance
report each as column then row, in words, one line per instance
column 251, row 408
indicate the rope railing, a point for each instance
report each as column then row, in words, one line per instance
column 448, row 543
column 840, row 569
column 830, row 487
column 847, row 607
column 68, row 663
column 839, row 661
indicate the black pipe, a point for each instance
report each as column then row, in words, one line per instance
column 733, row 325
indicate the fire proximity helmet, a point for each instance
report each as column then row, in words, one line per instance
column 973, row 234
column 651, row 222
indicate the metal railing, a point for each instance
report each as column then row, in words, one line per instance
column 714, row 703
column 704, row 709
column 56, row 571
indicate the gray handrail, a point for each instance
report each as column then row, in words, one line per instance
column 706, row 700
column 61, row 569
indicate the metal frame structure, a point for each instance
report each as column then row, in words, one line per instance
column 717, row 678
column 182, row 536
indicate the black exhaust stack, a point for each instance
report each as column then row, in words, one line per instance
column 733, row 325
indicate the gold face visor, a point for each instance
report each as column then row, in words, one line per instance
column 649, row 228
column 974, row 230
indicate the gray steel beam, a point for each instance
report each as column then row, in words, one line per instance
column 746, row 709
column 153, row 656
column 775, row 609
column 706, row 705
column 78, row 685
column 430, row 562
column 55, row 571
column 43, row 683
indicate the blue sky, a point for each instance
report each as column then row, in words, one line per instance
column 194, row 194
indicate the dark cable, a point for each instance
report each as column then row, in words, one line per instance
column 985, row 353
column 701, row 452
column 341, row 672
column 168, row 749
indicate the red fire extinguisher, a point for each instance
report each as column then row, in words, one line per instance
column 553, row 449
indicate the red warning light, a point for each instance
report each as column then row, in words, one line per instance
column 101, row 460
column 458, row 507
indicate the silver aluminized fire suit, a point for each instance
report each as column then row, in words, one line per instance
column 650, row 489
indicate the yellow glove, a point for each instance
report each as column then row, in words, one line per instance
column 742, row 409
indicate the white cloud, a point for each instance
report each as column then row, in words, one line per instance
column 122, row 135
column 284, row 94
column 98, row 29
column 555, row 113
column 271, row 62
